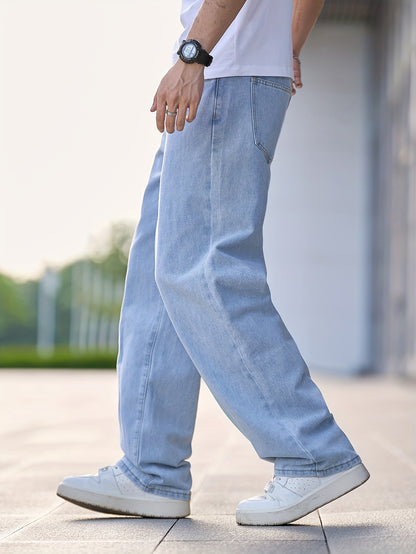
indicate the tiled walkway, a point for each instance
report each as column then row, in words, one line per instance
column 57, row 423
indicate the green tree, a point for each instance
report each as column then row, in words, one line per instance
column 112, row 250
column 18, row 300
column 17, row 311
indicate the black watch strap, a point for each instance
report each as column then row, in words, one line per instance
column 204, row 58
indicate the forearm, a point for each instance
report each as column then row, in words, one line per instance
column 212, row 20
column 305, row 14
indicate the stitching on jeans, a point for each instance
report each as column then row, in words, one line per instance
column 213, row 126
column 254, row 119
column 255, row 81
column 272, row 84
column 215, row 99
column 148, row 366
column 347, row 465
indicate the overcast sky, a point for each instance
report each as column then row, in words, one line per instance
column 77, row 140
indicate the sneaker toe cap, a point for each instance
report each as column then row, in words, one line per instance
column 90, row 483
column 254, row 503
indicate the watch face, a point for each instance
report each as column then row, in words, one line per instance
column 189, row 51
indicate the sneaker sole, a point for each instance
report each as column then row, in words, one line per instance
column 346, row 482
column 170, row 509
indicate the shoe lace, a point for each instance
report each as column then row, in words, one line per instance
column 272, row 487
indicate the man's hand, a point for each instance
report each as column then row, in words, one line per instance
column 297, row 78
column 179, row 91
column 305, row 14
column 181, row 88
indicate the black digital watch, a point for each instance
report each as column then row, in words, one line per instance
column 191, row 51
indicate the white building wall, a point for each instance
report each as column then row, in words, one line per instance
column 317, row 228
column 394, row 294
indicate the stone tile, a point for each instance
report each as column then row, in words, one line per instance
column 10, row 523
column 223, row 484
column 367, row 529
column 26, row 497
column 211, row 503
column 378, row 414
column 393, row 489
column 374, row 545
column 248, row 547
column 224, row 528
column 79, row 547
column 74, row 524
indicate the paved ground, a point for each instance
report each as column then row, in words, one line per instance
column 57, row 423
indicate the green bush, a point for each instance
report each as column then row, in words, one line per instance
column 28, row 357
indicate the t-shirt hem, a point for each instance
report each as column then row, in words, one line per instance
column 249, row 71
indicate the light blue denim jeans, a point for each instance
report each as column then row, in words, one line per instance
column 197, row 303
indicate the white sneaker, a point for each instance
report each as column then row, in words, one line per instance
column 112, row 492
column 290, row 498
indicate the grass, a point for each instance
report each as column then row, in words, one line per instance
column 62, row 357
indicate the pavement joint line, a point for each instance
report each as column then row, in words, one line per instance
column 135, row 541
column 2, row 539
column 99, row 541
column 399, row 454
column 323, row 531
column 165, row 535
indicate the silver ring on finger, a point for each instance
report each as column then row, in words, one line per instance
column 172, row 114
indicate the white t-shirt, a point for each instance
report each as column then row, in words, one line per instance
column 258, row 41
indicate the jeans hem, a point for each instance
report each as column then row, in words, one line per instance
column 318, row 472
column 169, row 492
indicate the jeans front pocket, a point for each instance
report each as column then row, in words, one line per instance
column 270, row 97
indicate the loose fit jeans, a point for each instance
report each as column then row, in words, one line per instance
column 197, row 303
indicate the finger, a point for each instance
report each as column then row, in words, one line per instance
column 160, row 116
column 170, row 121
column 154, row 105
column 298, row 78
column 193, row 108
column 297, row 81
column 180, row 118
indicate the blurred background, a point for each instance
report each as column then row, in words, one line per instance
column 77, row 140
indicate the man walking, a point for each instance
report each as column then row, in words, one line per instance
column 196, row 299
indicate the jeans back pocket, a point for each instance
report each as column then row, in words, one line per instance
column 270, row 97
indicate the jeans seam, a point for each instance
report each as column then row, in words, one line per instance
column 148, row 368
column 257, row 143
column 215, row 100
column 255, row 81
column 330, row 470
column 271, row 84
